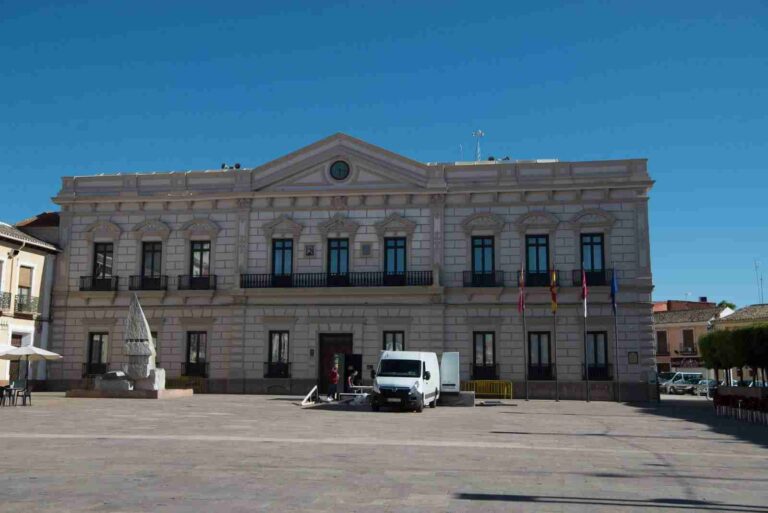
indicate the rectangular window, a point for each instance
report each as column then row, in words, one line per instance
column 689, row 346
column 278, row 347
column 592, row 252
column 200, row 258
column 597, row 348
column 282, row 257
column 102, row 260
column 539, row 349
column 537, row 260
column 151, row 259
column 196, row 346
column 394, row 341
column 662, row 347
column 394, row 256
column 97, row 348
column 484, row 355
column 482, row 255
column 25, row 284
column 338, row 256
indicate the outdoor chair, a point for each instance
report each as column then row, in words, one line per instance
column 5, row 396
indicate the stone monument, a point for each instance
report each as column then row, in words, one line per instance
column 140, row 373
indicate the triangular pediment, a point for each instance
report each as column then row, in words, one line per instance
column 370, row 168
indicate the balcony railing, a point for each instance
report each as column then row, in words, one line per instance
column 94, row 369
column 187, row 282
column 539, row 278
column 541, row 372
column 277, row 369
column 26, row 304
column 483, row 279
column 5, row 300
column 198, row 369
column 600, row 372
column 92, row 283
column 317, row 280
column 688, row 351
column 601, row 278
column 490, row 371
column 148, row 283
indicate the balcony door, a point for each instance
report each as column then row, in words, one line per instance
column 282, row 262
column 539, row 355
column 278, row 364
column 593, row 258
column 394, row 261
column 151, row 266
column 97, row 353
column 597, row 355
column 484, row 355
column 537, row 260
column 338, row 262
column 103, row 259
column 24, row 289
column 483, row 264
column 197, row 342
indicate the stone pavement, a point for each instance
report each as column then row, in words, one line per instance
column 260, row 453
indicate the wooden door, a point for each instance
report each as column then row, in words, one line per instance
column 330, row 345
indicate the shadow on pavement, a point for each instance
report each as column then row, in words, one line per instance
column 679, row 504
column 702, row 412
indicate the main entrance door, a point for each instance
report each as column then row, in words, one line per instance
column 330, row 345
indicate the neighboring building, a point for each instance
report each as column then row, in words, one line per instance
column 741, row 318
column 253, row 279
column 26, row 280
column 678, row 333
column 671, row 305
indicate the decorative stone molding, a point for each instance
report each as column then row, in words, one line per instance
column 485, row 221
column 103, row 229
column 151, row 228
column 338, row 224
column 540, row 220
column 339, row 202
column 593, row 217
column 396, row 223
column 204, row 227
column 282, row 224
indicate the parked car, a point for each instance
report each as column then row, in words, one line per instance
column 407, row 379
column 678, row 379
column 758, row 384
column 706, row 387
column 685, row 386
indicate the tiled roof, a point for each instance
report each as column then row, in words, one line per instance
column 749, row 313
column 683, row 316
column 9, row 232
column 46, row 219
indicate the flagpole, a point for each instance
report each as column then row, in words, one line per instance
column 615, row 307
column 584, row 297
column 554, row 336
column 521, row 310
column 525, row 356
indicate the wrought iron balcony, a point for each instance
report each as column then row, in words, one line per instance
column 484, row 279
column 5, row 301
column 148, row 282
column 26, row 304
column 197, row 369
column 92, row 283
column 187, row 282
column 317, row 280
column 599, row 278
column 687, row 351
column 542, row 372
column 490, row 371
column 94, row 369
column 600, row 372
column 539, row 278
column 277, row 369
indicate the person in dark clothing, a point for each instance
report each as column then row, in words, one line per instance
column 334, row 379
column 351, row 380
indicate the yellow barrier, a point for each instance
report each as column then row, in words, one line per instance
column 489, row 388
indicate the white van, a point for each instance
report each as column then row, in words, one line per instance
column 408, row 379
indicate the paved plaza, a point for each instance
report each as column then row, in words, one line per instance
column 218, row 453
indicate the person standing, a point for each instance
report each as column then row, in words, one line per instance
column 334, row 379
column 351, row 380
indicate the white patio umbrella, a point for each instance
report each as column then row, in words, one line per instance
column 28, row 354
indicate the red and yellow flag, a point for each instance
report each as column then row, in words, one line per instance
column 553, row 290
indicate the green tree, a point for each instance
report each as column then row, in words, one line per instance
column 726, row 304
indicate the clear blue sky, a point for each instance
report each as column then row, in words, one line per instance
column 90, row 87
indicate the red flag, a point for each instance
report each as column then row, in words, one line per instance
column 553, row 290
column 521, row 293
column 584, row 290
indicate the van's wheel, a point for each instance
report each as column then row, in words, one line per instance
column 433, row 404
column 375, row 407
column 420, row 405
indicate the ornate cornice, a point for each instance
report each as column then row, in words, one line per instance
column 103, row 229
column 200, row 227
column 151, row 228
column 593, row 217
column 397, row 223
column 487, row 221
column 282, row 224
column 537, row 220
column 338, row 223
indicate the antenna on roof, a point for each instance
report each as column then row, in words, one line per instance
column 478, row 134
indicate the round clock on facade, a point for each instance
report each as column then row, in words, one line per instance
column 339, row 170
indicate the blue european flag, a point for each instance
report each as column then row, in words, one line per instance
column 614, row 291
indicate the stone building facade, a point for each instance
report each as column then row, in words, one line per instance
column 253, row 279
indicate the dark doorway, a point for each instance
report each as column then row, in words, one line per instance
column 332, row 344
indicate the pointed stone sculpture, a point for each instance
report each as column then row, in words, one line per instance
column 140, row 372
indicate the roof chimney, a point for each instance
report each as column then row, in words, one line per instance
column 702, row 299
